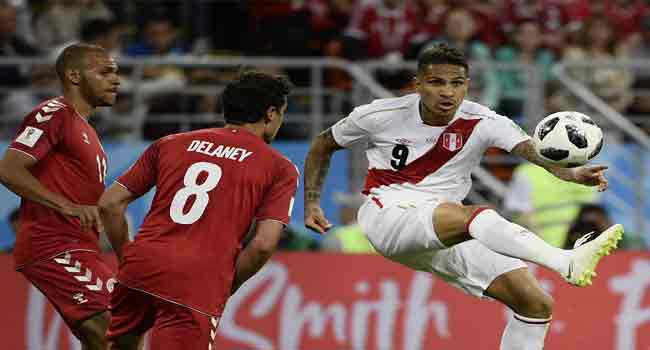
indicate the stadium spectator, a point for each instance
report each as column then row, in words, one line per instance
column 460, row 32
column 382, row 28
column 159, row 39
column 61, row 21
column 592, row 218
column 544, row 204
column 625, row 15
column 12, row 45
column 639, row 48
column 551, row 14
column 525, row 48
column 18, row 103
column 598, row 40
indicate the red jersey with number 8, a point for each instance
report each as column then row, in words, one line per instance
column 210, row 185
column 70, row 162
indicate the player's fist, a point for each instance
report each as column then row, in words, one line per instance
column 88, row 215
column 315, row 218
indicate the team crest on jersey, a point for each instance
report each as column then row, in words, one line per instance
column 452, row 141
column 84, row 136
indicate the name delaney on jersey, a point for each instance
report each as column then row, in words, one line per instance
column 221, row 151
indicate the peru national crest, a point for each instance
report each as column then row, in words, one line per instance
column 452, row 141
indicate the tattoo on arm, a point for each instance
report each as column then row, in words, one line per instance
column 317, row 164
column 526, row 150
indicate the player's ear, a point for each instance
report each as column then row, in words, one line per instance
column 271, row 113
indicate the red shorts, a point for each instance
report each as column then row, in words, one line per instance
column 174, row 327
column 77, row 283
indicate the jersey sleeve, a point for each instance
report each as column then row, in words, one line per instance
column 504, row 133
column 141, row 176
column 357, row 126
column 40, row 133
column 279, row 198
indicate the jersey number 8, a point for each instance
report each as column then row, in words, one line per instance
column 192, row 188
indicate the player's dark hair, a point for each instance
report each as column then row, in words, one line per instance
column 247, row 99
column 73, row 57
column 95, row 28
column 442, row 53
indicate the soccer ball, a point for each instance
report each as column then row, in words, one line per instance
column 568, row 139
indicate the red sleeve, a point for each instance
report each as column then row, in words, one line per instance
column 279, row 198
column 141, row 176
column 40, row 133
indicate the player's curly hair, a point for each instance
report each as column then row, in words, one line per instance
column 442, row 53
column 247, row 99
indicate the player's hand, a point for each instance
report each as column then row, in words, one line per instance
column 315, row 219
column 87, row 214
column 591, row 175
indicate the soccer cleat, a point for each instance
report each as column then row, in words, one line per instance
column 587, row 253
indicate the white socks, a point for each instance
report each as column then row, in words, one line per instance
column 507, row 238
column 524, row 333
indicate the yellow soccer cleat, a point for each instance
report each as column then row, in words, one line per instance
column 587, row 254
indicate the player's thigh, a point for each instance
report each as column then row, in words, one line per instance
column 93, row 329
column 77, row 283
column 133, row 313
column 450, row 221
column 180, row 328
column 471, row 267
column 399, row 229
column 522, row 293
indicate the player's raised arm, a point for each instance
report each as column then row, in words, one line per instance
column 316, row 167
column 589, row 175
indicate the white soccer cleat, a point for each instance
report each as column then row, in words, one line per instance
column 586, row 255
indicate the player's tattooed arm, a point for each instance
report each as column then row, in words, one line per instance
column 317, row 164
column 526, row 150
column 584, row 175
column 316, row 168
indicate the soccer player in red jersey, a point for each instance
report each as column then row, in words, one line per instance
column 57, row 166
column 211, row 185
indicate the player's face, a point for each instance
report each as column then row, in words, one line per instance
column 272, row 127
column 99, row 79
column 442, row 88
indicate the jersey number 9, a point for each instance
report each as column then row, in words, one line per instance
column 400, row 155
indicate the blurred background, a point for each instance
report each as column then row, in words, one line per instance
column 528, row 59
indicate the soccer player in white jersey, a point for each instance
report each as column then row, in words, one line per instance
column 421, row 150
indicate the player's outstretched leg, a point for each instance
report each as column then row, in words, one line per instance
column 92, row 332
column 454, row 223
column 532, row 308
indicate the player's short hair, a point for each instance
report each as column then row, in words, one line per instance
column 247, row 99
column 442, row 53
column 73, row 57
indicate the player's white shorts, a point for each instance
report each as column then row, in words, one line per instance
column 403, row 232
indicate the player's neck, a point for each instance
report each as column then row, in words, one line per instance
column 432, row 119
column 255, row 129
column 83, row 108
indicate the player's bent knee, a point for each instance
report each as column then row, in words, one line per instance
column 450, row 222
column 540, row 306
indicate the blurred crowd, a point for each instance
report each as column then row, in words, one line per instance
column 539, row 32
